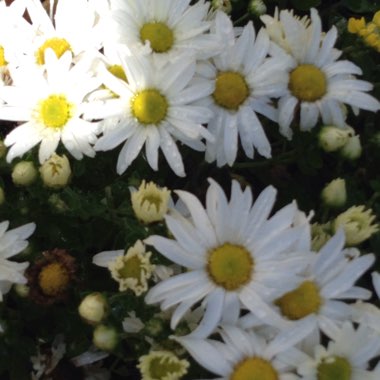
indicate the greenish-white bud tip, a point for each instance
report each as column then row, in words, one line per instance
column 334, row 194
column 24, row 173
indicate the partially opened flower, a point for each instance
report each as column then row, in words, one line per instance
column 235, row 255
column 319, row 84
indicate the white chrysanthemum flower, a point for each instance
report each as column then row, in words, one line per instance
column 245, row 354
column 12, row 242
column 244, row 79
column 155, row 108
column 166, row 28
column 75, row 27
column 319, row 83
column 51, row 107
column 346, row 357
column 236, row 257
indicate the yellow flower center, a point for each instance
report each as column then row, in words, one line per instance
column 3, row 62
column 55, row 111
column 131, row 268
column 149, row 107
column 231, row 90
column 159, row 35
column 152, row 200
column 163, row 368
column 307, row 83
column 53, row 279
column 334, row 368
column 118, row 71
column 301, row 301
column 230, row 266
column 59, row 45
column 254, row 369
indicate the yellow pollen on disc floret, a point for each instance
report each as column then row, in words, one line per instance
column 301, row 301
column 231, row 90
column 55, row 111
column 230, row 266
column 149, row 107
column 308, row 83
column 254, row 369
column 3, row 62
column 334, row 368
column 53, row 279
column 58, row 45
column 159, row 35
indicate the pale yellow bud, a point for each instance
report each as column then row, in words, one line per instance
column 332, row 138
column 352, row 150
column 320, row 234
column 257, row 7
column 222, row 5
column 105, row 337
column 93, row 308
column 334, row 194
column 56, row 171
column 357, row 224
column 24, row 173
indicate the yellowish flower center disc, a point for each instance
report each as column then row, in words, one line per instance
column 159, row 35
column 149, row 107
column 301, row 301
column 131, row 268
column 118, row 71
column 254, row 369
column 55, row 111
column 59, row 45
column 3, row 62
column 230, row 266
column 162, row 368
column 152, row 200
column 334, row 368
column 307, row 83
column 231, row 90
column 53, row 279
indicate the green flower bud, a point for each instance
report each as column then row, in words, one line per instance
column 352, row 150
column 105, row 337
column 334, row 193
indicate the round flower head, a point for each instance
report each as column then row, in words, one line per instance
column 168, row 28
column 319, row 83
column 50, row 108
column 154, row 108
column 12, row 242
column 232, row 253
column 244, row 80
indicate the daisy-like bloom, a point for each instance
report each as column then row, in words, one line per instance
column 50, row 108
column 149, row 202
column 319, row 83
column 244, row 80
column 357, row 224
column 51, row 277
column 12, row 242
column 232, row 253
column 131, row 269
column 245, row 354
column 346, row 356
column 154, row 108
column 162, row 365
column 167, row 28
column 329, row 281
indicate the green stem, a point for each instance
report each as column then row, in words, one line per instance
column 285, row 158
column 241, row 19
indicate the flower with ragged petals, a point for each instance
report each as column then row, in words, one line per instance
column 319, row 84
column 232, row 251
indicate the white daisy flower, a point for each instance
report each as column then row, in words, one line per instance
column 346, row 357
column 168, row 28
column 329, row 281
column 236, row 257
column 154, row 108
column 12, row 242
column 245, row 354
column 51, row 107
column 319, row 83
column 245, row 79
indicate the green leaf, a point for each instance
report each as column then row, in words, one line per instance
column 362, row 6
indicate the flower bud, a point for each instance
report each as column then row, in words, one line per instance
column 105, row 337
column 352, row 150
column 257, row 7
column 334, row 193
column 24, row 173
column 3, row 149
column 222, row 5
column 56, row 171
column 93, row 308
column 333, row 138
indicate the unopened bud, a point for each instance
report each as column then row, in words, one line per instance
column 333, row 138
column 334, row 193
column 222, row 5
column 352, row 150
column 24, row 173
column 105, row 337
column 56, row 171
column 257, row 7
column 93, row 308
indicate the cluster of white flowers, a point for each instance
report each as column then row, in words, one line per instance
column 95, row 74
